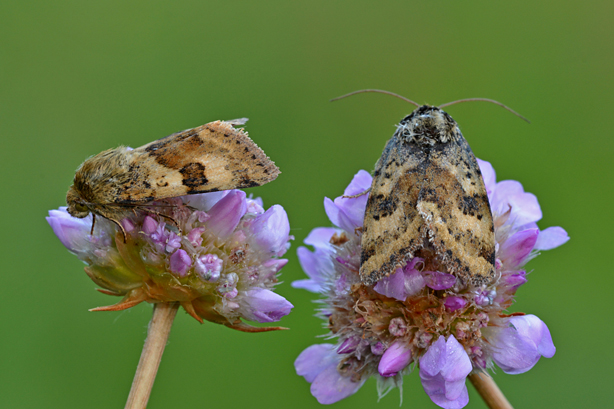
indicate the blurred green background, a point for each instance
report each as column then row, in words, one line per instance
column 79, row 77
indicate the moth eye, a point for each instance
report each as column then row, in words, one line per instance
column 81, row 207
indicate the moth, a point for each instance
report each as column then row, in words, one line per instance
column 428, row 199
column 208, row 158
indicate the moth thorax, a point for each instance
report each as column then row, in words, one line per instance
column 76, row 207
column 427, row 126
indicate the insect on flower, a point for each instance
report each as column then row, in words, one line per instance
column 428, row 197
column 208, row 158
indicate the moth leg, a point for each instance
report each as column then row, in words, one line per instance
column 171, row 219
column 358, row 195
column 164, row 216
column 121, row 228
column 93, row 223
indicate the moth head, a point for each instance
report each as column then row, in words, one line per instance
column 428, row 125
column 76, row 205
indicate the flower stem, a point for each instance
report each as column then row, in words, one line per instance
column 157, row 335
column 489, row 391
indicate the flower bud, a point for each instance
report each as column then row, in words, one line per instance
column 396, row 357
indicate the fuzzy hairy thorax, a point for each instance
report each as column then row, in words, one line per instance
column 428, row 125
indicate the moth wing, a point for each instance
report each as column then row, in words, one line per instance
column 461, row 230
column 211, row 157
column 391, row 231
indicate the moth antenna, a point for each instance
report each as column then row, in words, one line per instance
column 378, row 91
column 358, row 195
column 486, row 100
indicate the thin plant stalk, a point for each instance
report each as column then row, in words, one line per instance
column 490, row 392
column 157, row 336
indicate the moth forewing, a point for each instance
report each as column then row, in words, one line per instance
column 428, row 196
column 208, row 158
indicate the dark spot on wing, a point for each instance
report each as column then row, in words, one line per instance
column 468, row 205
column 194, row 175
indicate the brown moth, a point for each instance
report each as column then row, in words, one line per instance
column 428, row 198
column 211, row 157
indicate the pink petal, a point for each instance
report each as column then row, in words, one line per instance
column 314, row 360
column 454, row 303
column 532, row 327
column 517, row 248
column 489, row 176
column 205, row 201
column 265, row 305
column 226, row 213
column 438, row 280
column 403, row 283
column 550, row 238
column 349, row 345
column 320, row 237
column 317, row 265
column 72, row 232
column 270, row 230
column 337, row 216
column 180, row 262
column 354, row 208
column 519, row 347
column 330, row 387
column 443, row 370
column 149, row 225
column 525, row 208
column 395, row 359
column 393, row 286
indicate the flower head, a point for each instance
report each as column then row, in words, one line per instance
column 215, row 253
column 414, row 317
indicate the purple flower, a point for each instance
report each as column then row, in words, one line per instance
column 209, row 267
column 519, row 346
column 509, row 194
column 254, row 205
column 403, row 283
column 207, row 201
column 275, row 265
column 271, row 230
column 265, row 305
column 550, row 238
column 454, row 303
column 345, row 213
column 180, row 263
column 195, row 236
column 226, row 214
column 349, row 345
column 438, row 280
column 378, row 348
column 395, row 359
column 318, row 365
column 150, row 225
column 317, row 265
column 518, row 247
column 71, row 231
column 204, row 251
column 428, row 316
column 516, row 279
column 443, row 370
